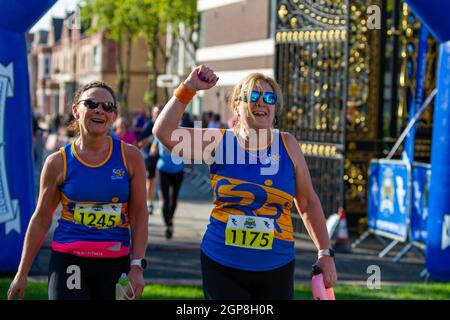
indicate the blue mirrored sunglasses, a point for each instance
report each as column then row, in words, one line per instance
column 268, row 97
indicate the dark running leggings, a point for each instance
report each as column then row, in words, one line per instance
column 224, row 283
column 170, row 181
column 76, row 278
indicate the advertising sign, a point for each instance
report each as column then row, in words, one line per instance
column 388, row 199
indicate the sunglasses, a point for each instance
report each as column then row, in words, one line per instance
column 93, row 104
column 268, row 97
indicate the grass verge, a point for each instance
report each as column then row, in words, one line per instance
column 37, row 290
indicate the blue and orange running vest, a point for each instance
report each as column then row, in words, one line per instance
column 250, row 226
column 94, row 218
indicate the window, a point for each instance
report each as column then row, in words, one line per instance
column 47, row 66
column 96, row 61
column 201, row 40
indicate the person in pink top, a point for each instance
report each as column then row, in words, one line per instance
column 123, row 133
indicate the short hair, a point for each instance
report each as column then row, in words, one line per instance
column 94, row 84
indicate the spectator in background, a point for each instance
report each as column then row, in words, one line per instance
column 37, row 141
column 171, row 171
column 206, row 118
column 139, row 122
column 215, row 122
column 145, row 143
column 56, row 123
column 186, row 121
column 57, row 140
column 123, row 133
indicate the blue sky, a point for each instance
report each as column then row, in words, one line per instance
column 58, row 10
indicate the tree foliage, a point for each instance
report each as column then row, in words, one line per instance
column 154, row 17
column 130, row 19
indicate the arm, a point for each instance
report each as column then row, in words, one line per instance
column 49, row 197
column 189, row 143
column 154, row 149
column 138, row 214
column 144, row 142
column 310, row 209
column 145, row 137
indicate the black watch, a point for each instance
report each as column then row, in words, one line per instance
column 141, row 263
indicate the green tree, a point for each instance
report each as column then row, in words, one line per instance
column 129, row 19
column 154, row 17
column 115, row 17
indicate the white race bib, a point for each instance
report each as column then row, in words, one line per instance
column 249, row 232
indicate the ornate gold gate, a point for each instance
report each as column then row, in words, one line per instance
column 330, row 83
column 311, row 50
column 347, row 88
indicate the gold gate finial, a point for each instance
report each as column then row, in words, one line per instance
column 282, row 12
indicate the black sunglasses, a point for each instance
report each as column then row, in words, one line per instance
column 93, row 104
column 268, row 97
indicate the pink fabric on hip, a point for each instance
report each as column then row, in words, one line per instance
column 90, row 249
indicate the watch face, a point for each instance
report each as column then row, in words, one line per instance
column 143, row 263
column 331, row 252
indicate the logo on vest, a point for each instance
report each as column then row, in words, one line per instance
column 118, row 173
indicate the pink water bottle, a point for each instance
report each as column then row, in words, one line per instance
column 319, row 291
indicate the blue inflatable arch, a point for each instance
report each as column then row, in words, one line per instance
column 434, row 14
column 16, row 166
column 17, row 198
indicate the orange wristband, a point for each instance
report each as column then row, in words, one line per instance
column 184, row 94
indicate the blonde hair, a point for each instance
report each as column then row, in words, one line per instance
column 248, row 84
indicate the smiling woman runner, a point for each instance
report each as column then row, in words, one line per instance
column 100, row 183
column 257, row 173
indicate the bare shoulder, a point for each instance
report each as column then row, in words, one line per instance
column 54, row 167
column 133, row 158
column 131, row 152
column 55, row 161
column 292, row 144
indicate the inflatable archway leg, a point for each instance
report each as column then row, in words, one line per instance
column 438, row 241
column 17, row 198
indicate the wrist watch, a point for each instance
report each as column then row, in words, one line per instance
column 326, row 253
column 141, row 263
